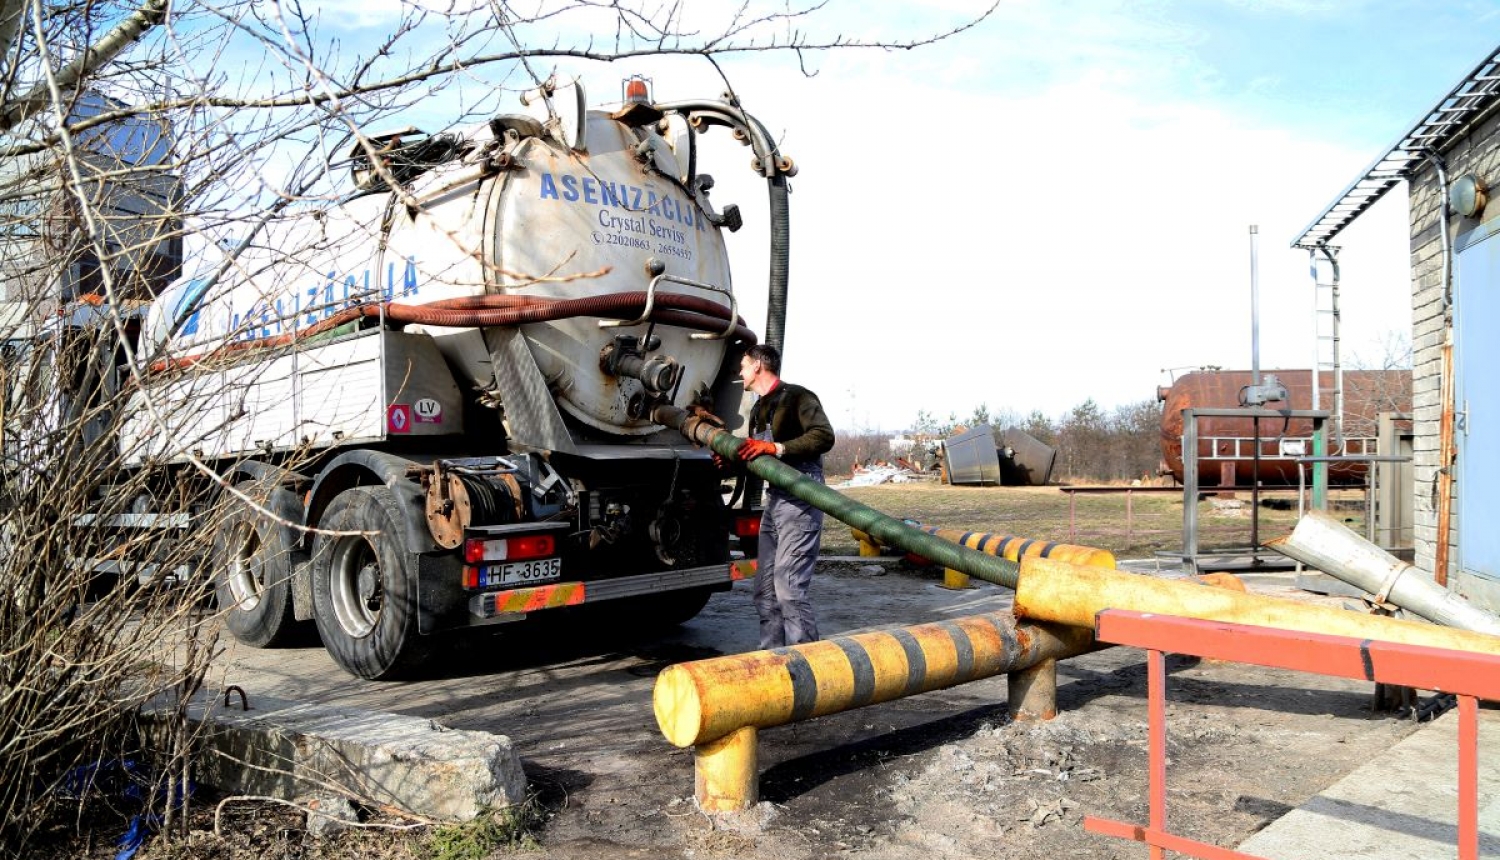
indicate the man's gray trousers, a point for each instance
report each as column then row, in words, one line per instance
column 790, row 534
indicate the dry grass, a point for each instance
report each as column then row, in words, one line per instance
column 1153, row 523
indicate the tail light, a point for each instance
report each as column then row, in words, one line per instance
column 746, row 525
column 477, row 550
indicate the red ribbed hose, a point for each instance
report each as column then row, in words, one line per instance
column 676, row 309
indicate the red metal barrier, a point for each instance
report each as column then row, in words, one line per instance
column 1468, row 675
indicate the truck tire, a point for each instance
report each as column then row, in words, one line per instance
column 252, row 567
column 364, row 589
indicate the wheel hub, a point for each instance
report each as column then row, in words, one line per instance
column 368, row 584
column 355, row 587
column 246, row 574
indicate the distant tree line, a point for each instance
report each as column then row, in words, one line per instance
column 1093, row 444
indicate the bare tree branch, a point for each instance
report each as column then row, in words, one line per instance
column 127, row 33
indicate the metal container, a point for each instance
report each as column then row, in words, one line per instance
column 503, row 210
column 1025, row 461
column 972, row 458
column 1226, row 446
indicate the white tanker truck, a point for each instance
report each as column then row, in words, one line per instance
column 442, row 382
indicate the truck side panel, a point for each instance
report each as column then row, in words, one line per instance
column 366, row 387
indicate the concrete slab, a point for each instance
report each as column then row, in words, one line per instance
column 1404, row 803
column 417, row 766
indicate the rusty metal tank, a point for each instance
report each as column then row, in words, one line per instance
column 1225, row 446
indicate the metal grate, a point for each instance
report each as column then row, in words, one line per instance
column 1475, row 93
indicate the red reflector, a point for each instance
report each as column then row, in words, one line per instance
column 534, row 546
column 473, row 551
column 746, row 526
column 471, row 577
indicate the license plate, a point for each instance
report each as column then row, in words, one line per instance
column 520, row 572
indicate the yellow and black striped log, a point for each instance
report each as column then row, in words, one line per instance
column 1010, row 547
column 705, row 700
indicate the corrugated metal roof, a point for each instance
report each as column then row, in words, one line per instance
column 1474, row 94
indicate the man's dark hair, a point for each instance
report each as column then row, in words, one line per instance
column 769, row 357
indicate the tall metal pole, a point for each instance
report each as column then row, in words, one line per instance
column 1189, row 491
column 1254, row 307
column 1255, row 380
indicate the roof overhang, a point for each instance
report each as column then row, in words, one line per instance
column 1453, row 114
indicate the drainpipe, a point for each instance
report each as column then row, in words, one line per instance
column 780, row 262
column 1446, row 453
column 776, row 291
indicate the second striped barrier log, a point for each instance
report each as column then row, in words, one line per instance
column 717, row 705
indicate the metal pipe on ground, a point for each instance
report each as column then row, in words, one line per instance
column 717, row 705
column 1320, row 541
column 1071, row 594
column 888, row 530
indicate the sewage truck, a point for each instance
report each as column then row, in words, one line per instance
column 440, row 385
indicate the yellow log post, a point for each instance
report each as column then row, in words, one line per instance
column 725, row 778
column 1033, row 692
column 1073, row 594
column 955, row 580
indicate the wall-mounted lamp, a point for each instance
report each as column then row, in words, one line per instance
column 1468, row 195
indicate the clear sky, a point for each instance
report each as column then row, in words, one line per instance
column 1055, row 205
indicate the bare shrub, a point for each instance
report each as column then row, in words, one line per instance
column 137, row 132
column 861, row 448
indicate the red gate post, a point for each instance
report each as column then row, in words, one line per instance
column 1468, row 778
column 1469, row 675
column 1156, row 708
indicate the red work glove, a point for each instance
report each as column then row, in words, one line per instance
column 752, row 448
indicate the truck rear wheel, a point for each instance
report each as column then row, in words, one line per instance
column 253, row 570
column 364, row 593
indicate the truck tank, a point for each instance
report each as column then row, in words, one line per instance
column 590, row 228
column 1225, row 447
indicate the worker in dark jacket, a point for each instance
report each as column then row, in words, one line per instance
column 786, row 422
